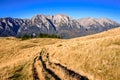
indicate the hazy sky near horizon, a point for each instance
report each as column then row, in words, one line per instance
column 74, row 8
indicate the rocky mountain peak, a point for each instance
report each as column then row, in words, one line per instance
column 61, row 18
column 38, row 18
column 59, row 24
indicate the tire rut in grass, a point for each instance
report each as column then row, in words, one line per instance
column 35, row 75
column 56, row 71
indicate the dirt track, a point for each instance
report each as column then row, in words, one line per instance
column 43, row 69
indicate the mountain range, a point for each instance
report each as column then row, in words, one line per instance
column 60, row 24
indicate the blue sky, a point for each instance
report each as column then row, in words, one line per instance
column 74, row 8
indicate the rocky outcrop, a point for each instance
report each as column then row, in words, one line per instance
column 59, row 24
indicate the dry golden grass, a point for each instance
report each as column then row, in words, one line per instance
column 95, row 56
column 15, row 53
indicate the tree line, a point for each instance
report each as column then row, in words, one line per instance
column 41, row 35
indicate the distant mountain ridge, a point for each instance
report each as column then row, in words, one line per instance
column 59, row 24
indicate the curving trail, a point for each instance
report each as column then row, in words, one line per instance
column 43, row 69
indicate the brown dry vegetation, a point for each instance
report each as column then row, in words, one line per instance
column 16, row 56
column 96, row 56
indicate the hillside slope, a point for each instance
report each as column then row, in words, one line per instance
column 94, row 57
column 16, row 56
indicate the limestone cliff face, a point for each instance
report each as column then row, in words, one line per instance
column 59, row 24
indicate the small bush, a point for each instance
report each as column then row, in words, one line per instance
column 25, row 37
column 59, row 45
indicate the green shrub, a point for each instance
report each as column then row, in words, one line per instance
column 41, row 35
column 24, row 37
